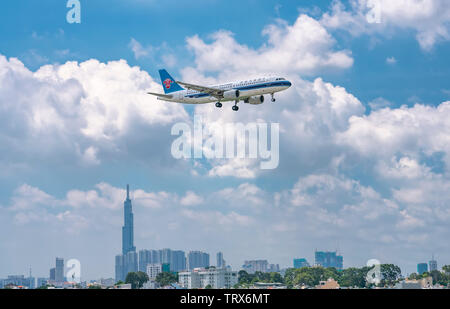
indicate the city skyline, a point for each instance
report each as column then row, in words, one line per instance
column 364, row 157
column 181, row 261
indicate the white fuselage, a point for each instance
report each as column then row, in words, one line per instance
column 247, row 89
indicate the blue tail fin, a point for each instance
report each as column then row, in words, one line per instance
column 169, row 84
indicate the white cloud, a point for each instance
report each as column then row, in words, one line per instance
column 379, row 103
column 304, row 47
column 79, row 112
column 406, row 130
column 430, row 19
column 391, row 60
column 191, row 199
column 138, row 50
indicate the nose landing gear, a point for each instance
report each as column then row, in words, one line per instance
column 273, row 97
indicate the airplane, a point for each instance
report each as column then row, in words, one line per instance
column 250, row 91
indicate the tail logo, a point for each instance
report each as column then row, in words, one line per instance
column 168, row 83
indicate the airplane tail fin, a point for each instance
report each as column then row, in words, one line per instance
column 169, row 84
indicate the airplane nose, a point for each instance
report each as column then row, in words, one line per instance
column 289, row 84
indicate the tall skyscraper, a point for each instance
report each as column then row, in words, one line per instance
column 59, row 270
column 128, row 227
column 197, row 259
column 422, row 268
column 128, row 260
column 329, row 259
column 220, row 261
column 433, row 264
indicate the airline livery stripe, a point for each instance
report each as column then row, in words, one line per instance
column 248, row 87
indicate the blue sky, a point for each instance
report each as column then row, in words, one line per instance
column 333, row 139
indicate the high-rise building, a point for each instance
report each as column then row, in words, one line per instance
column 220, row 261
column 59, row 270
column 273, row 268
column 300, row 263
column 52, row 274
column 255, row 265
column 197, row 259
column 175, row 258
column 128, row 260
column 153, row 270
column 422, row 268
column 128, row 227
column 178, row 262
column 329, row 259
column 433, row 264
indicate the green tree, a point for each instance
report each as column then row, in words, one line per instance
column 446, row 269
column 208, row 287
column 137, row 279
column 166, row 278
column 390, row 273
column 354, row 277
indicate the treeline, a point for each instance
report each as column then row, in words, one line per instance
column 439, row 277
column 350, row 277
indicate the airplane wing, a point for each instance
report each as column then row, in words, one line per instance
column 165, row 96
column 218, row 93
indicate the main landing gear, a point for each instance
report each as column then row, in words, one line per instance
column 219, row 105
column 235, row 107
column 273, row 98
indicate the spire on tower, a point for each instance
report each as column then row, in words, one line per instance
column 128, row 192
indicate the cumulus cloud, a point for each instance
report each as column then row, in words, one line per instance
column 304, row 47
column 430, row 19
column 413, row 131
column 80, row 113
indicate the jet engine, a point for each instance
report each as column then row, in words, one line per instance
column 255, row 100
column 231, row 94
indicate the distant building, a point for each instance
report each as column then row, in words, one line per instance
column 41, row 282
column 175, row 258
column 200, row 278
column 178, row 261
column 425, row 283
column 220, row 261
column 300, row 263
column 128, row 261
column 52, row 274
column 153, row 270
column 422, row 268
column 108, row 282
column 330, row 284
column 197, row 259
column 59, row 270
column 18, row 281
column 273, row 268
column 255, row 265
column 329, row 259
column 128, row 227
column 433, row 265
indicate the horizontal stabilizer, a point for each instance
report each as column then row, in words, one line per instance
column 165, row 96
